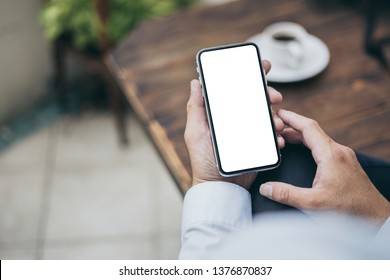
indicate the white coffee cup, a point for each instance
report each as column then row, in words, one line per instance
column 285, row 43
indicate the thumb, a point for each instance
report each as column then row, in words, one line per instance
column 195, row 106
column 196, row 114
column 286, row 194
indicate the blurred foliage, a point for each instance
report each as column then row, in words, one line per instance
column 79, row 18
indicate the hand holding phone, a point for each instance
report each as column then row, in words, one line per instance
column 239, row 115
column 198, row 140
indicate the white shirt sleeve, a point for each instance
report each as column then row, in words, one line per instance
column 212, row 211
column 383, row 236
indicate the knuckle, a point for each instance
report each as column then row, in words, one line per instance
column 338, row 153
column 350, row 152
column 188, row 135
column 311, row 125
column 314, row 202
column 316, row 199
column 284, row 196
column 189, row 106
column 343, row 153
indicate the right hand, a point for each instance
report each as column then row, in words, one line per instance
column 340, row 184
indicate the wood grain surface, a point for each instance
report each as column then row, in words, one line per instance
column 350, row 99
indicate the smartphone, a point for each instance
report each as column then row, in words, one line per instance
column 238, row 109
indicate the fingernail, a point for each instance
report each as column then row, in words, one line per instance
column 266, row 190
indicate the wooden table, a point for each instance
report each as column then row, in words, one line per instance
column 350, row 99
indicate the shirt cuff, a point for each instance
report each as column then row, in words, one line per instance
column 217, row 202
column 384, row 231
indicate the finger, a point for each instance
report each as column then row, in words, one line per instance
column 291, row 136
column 312, row 134
column 287, row 194
column 196, row 99
column 196, row 114
column 266, row 66
column 281, row 142
column 279, row 124
column 274, row 96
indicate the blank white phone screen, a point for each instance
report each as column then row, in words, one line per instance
column 238, row 107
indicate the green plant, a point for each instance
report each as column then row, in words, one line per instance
column 80, row 19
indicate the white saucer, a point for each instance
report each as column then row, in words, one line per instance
column 316, row 58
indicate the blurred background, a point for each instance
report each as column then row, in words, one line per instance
column 69, row 187
column 79, row 178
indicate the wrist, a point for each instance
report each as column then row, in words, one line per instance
column 379, row 212
column 197, row 181
column 383, row 213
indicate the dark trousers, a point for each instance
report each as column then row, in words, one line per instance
column 298, row 168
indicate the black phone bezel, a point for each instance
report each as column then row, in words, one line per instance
column 210, row 118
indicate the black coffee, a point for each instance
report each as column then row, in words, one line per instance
column 284, row 37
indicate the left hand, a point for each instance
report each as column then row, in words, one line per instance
column 198, row 139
